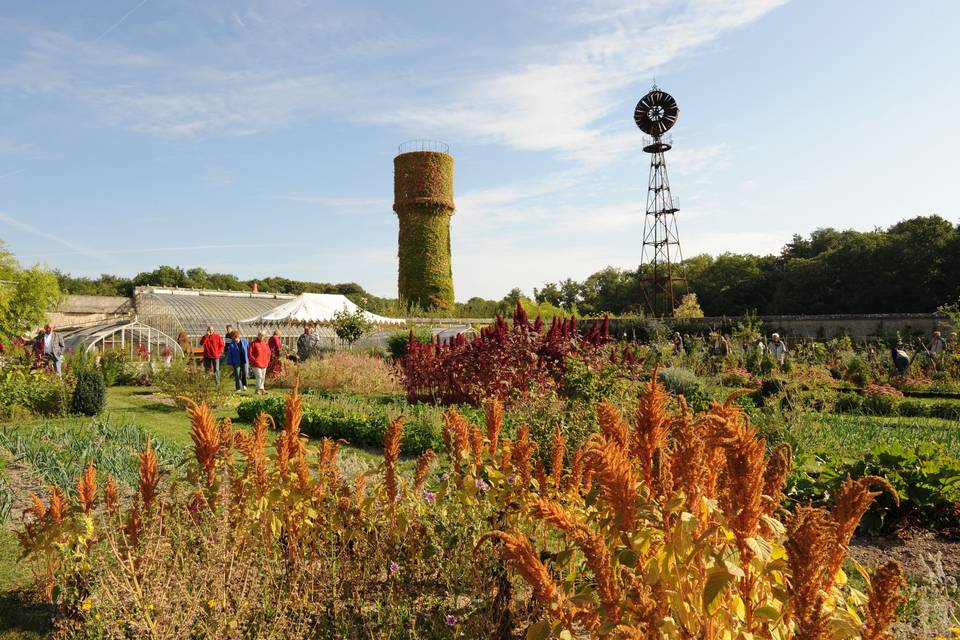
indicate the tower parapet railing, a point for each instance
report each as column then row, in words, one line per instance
column 437, row 146
column 653, row 144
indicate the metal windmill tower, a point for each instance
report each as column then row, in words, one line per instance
column 655, row 114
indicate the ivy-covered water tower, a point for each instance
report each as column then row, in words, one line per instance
column 423, row 201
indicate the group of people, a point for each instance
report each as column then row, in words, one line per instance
column 244, row 357
column 776, row 347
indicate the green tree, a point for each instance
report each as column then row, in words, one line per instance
column 351, row 325
column 26, row 295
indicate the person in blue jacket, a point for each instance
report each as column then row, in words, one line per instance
column 237, row 358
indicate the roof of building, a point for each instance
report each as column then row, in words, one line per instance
column 190, row 310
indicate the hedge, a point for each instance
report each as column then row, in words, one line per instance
column 359, row 423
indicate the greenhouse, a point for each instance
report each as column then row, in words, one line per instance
column 133, row 337
column 190, row 311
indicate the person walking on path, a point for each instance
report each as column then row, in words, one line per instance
column 306, row 343
column 276, row 353
column 212, row 345
column 238, row 359
column 259, row 353
column 777, row 348
column 50, row 345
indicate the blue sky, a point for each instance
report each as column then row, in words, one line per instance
column 257, row 137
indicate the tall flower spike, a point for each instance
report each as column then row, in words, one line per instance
column 522, row 452
column 87, row 489
column 592, row 545
column 476, row 446
column 886, row 585
column 610, row 466
column 612, row 425
column 148, row 475
column 557, row 452
column 205, row 436
column 293, row 413
column 517, row 550
column 391, row 453
column 111, row 495
column 493, row 411
column 651, row 426
column 742, row 500
column 134, row 524
column 775, row 477
column 811, row 535
column 853, row 499
column 424, row 463
column 576, row 471
column 458, row 436
column 58, row 506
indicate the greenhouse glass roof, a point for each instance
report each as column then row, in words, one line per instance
column 191, row 310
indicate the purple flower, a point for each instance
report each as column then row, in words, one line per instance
column 482, row 485
column 451, row 620
column 429, row 497
column 446, row 474
column 393, row 568
column 511, row 479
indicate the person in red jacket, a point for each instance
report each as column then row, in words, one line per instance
column 212, row 344
column 259, row 353
column 276, row 354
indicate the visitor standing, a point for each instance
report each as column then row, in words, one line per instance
column 306, row 343
column 184, row 341
column 677, row 344
column 724, row 347
column 937, row 344
column 777, row 348
column 50, row 345
column 259, row 353
column 212, row 344
column 238, row 359
column 276, row 353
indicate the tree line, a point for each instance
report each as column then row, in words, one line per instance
column 913, row 266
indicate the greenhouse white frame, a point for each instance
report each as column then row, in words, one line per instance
column 128, row 335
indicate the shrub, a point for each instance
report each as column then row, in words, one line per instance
column 740, row 378
column 184, row 379
column 857, row 371
column 503, row 362
column 25, row 393
column 117, row 367
column 398, row 340
column 679, row 381
column 358, row 421
column 89, row 394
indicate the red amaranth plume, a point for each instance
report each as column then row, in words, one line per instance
column 605, row 328
column 538, row 324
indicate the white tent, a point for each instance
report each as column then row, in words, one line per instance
column 315, row 308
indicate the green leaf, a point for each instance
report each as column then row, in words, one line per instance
column 717, row 578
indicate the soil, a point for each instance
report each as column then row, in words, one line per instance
column 912, row 548
column 22, row 482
